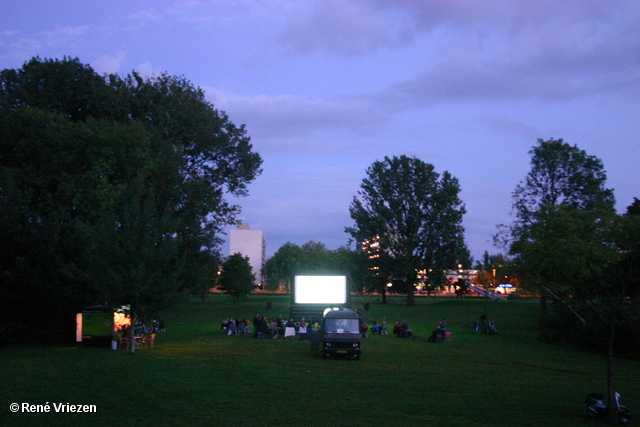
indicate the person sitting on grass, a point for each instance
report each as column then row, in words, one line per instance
column 483, row 323
column 405, row 331
column 383, row 328
column 435, row 334
column 281, row 325
column 396, row 328
column 375, row 327
column 261, row 328
column 364, row 329
column 492, row 328
column 232, row 327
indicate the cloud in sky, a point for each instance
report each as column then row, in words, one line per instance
column 109, row 64
column 325, row 88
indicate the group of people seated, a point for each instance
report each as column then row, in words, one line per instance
column 233, row 326
column 263, row 327
column 484, row 326
column 402, row 330
column 381, row 328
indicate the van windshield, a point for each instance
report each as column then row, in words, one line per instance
column 342, row 326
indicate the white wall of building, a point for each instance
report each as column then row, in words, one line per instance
column 249, row 243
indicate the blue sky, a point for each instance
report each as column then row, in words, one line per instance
column 326, row 88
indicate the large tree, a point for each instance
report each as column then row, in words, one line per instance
column 237, row 279
column 571, row 245
column 80, row 152
column 561, row 175
column 417, row 216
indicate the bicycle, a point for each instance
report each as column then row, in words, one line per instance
column 155, row 326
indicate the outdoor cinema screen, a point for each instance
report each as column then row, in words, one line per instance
column 309, row 289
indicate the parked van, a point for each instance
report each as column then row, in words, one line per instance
column 341, row 333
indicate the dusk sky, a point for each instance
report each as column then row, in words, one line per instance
column 326, row 88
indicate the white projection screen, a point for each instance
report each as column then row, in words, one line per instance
column 309, row 289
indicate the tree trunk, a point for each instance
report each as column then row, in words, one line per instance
column 384, row 294
column 411, row 300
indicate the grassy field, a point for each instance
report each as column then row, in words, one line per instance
column 197, row 376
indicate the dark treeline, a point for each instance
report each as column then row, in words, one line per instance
column 112, row 191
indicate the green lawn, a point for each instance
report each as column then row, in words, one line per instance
column 197, row 376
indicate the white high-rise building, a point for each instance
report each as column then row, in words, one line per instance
column 252, row 244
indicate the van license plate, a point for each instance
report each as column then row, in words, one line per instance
column 342, row 351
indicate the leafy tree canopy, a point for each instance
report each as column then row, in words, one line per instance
column 123, row 178
column 311, row 256
column 416, row 215
column 237, row 279
column 561, row 174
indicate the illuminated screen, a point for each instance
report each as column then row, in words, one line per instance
column 320, row 289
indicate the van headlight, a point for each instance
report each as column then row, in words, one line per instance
column 327, row 344
column 355, row 344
